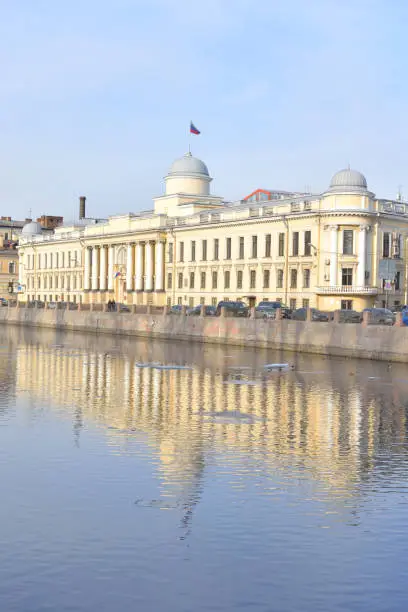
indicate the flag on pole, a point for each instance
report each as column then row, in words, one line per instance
column 193, row 129
column 117, row 274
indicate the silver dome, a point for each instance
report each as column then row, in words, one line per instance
column 348, row 180
column 32, row 229
column 188, row 166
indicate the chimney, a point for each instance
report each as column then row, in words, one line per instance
column 82, row 201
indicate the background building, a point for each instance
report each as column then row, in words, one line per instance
column 343, row 248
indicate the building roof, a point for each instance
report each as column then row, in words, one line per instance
column 188, row 166
column 348, row 179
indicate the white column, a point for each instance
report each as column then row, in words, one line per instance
column 362, row 236
column 149, row 267
column 159, row 277
column 333, row 255
column 129, row 267
column 87, row 270
column 110, row 268
column 95, row 269
column 102, row 274
column 139, row 267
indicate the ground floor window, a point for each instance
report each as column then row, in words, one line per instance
column 266, row 277
column 179, row 301
column 239, row 279
column 213, row 301
column 191, row 302
column 202, row 300
column 347, row 304
column 305, row 303
column 252, row 277
column 292, row 304
column 168, row 301
column 226, row 299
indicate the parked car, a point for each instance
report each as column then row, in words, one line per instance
column 3, row 302
column 36, row 304
column 399, row 308
column 175, row 309
column 52, row 305
column 269, row 310
column 234, row 309
column 210, row 311
column 350, row 316
column 317, row 315
column 381, row 316
column 122, row 308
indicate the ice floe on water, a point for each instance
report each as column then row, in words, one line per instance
column 233, row 417
column 278, row 366
column 160, row 366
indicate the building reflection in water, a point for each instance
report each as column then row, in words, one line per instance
column 328, row 418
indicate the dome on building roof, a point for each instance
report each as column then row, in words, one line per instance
column 32, row 229
column 188, row 166
column 348, row 179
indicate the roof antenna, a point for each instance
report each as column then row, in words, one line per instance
column 399, row 194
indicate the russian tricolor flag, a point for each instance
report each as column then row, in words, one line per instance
column 193, row 129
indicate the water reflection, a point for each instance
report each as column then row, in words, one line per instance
column 339, row 423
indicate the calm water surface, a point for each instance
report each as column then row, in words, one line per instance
column 215, row 486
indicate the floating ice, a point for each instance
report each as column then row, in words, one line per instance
column 276, row 366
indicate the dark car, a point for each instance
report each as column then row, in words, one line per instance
column 210, row 311
column 350, row 316
column 269, row 310
column 317, row 315
column 381, row 316
column 36, row 304
column 122, row 308
column 399, row 308
column 233, row 309
column 175, row 309
column 3, row 302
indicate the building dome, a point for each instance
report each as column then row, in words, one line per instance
column 348, row 180
column 32, row 229
column 188, row 166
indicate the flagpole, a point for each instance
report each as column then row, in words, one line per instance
column 189, row 139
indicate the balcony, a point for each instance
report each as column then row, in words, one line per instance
column 347, row 290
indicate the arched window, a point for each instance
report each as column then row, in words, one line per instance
column 121, row 256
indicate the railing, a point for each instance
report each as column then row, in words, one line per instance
column 348, row 290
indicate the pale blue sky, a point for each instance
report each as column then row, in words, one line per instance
column 96, row 97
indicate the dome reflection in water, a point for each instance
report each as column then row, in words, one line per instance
column 219, row 485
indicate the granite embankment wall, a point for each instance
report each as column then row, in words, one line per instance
column 352, row 340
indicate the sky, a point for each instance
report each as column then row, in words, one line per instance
column 96, row 97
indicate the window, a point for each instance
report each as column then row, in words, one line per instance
column 45, row 260
column 50, row 260
column 228, row 248
column 193, row 250
column 202, row 280
column 45, row 282
column 191, row 280
column 241, row 248
column 386, row 244
column 305, row 303
column 295, row 243
column 308, row 245
column 348, row 242
column 169, row 280
column 347, row 277
column 293, row 279
column 39, row 261
column 204, row 250
column 62, row 260
column 181, row 251
column 292, row 304
column 56, row 260
column 170, row 252
column 12, row 267
column 38, row 282
column 202, row 300
column 239, row 279
column 50, row 282
column 252, row 279
column 306, row 278
column 191, row 302
column 266, row 279
column 180, row 280
column 62, row 282
column 281, row 244
column 69, row 260
column 213, row 301
column 268, row 242
column 56, row 282
column 216, row 248
column 346, row 304
column 227, row 276
column 179, row 301
column 397, row 281
column 74, row 280
column 214, row 280
column 254, row 246
column 279, row 279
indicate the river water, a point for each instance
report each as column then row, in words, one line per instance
column 211, row 484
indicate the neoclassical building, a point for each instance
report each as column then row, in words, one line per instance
column 343, row 248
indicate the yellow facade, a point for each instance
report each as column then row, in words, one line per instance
column 8, row 273
column 326, row 250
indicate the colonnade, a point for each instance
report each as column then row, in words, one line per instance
column 361, row 255
column 144, row 268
